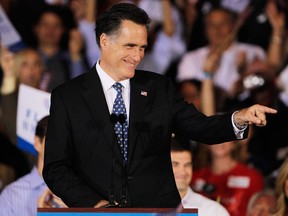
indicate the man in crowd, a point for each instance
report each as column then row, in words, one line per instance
column 182, row 163
column 21, row 197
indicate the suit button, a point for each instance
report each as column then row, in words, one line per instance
column 129, row 178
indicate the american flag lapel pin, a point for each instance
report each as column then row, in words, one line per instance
column 143, row 93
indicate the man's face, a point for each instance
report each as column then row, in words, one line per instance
column 191, row 94
column 30, row 69
column 218, row 26
column 49, row 30
column 182, row 168
column 121, row 53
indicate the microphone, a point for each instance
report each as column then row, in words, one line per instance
column 113, row 118
column 121, row 119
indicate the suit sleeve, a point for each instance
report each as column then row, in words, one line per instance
column 58, row 171
column 191, row 123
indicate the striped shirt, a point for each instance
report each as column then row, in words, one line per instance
column 21, row 196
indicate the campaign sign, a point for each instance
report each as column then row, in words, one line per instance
column 8, row 34
column 33, row 104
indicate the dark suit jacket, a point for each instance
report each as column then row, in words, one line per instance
column 80, row 141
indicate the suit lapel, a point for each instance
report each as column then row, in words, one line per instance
column 96, row 101
column 139, row 95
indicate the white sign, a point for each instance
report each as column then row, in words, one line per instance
column 238, row 182
column 33, row 104
column 8, row 34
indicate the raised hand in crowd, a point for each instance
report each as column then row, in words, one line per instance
column 277, row 20
column 76, row 44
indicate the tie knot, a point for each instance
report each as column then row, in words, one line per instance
column 118, row 87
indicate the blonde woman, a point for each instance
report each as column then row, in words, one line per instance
column 282, row 190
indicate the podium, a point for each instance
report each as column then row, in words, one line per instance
column 114, row 212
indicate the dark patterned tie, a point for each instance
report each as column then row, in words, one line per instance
column 119, row 108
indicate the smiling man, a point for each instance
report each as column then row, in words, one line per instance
column 121, row 54
column 182, row 163
column 109, row 129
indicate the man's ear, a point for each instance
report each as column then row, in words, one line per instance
column 104, row 40
column 37, row 143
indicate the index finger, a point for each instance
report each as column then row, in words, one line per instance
column 269, row 110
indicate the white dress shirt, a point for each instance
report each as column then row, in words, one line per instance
column 21, row 196
column 205, row 206
column 191, row 64
column 110, row 93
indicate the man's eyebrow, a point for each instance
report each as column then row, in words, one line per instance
column 130, row 44
column 133, row 45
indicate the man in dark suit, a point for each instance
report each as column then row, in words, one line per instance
column 84, row 165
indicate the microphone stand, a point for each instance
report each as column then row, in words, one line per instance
column 112, row 203
column 123, row 204
column 121, row 118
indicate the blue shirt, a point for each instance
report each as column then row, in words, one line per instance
column 21, row 196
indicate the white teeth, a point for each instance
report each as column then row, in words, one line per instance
column 132, row 65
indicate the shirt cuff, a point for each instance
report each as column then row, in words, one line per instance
column 239, row 133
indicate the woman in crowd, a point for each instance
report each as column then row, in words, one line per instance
column 282, row 190
column 226, row 180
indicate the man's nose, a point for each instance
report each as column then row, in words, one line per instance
column 137, row 54
column 182, row 170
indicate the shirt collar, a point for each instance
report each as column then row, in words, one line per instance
column 188, row 196
column 106, row 80
column 36, row 178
